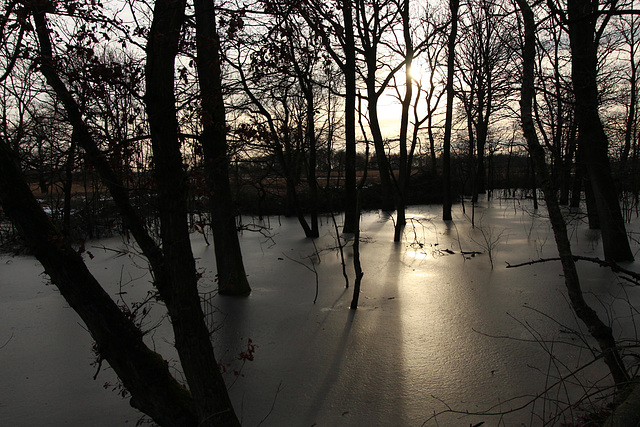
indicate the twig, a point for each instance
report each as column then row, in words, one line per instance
column 118, row 252
column 341, row 248
column 313, row 269
column 491, row 410
column 273, row 405
column 7, row 342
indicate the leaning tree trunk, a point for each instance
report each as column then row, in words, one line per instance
column 232, row 279
column 598, row 330
column 173, row 266
column 591, row 137
column 142, row 372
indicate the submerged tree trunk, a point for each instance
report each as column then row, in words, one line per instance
column 142, row 372
column 598, row 330
column 404, row 169
column 591, row 137
column 350, row 214
column 232, row 279
column 357, row 266
column 306, row 86
column 378, row 142
column 173, row 266
column 67, row 187
column 191, row 334
column 454, row 5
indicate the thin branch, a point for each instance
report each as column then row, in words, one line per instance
column 614, row 267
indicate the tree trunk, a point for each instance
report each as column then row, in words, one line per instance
column 313, row 160
column 306, row 86
column 582, row 21
column 143, row 373
column 404, row 162
column 232, row 279
column 384, row 169
column 191, row 334
column 576, row 189
column 350, row 215
column 356, row 259
column 631, row 115
column 627, row 413
column 482, row 130
column 598, row 330
column 67, row 187
column 592, row 207
column 454, row 5
column 567, row 161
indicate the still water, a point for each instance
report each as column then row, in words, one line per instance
column 438, row 332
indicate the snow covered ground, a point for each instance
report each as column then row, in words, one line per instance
column 436, row 328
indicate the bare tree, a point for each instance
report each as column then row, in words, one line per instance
column 581, row 19
column 599, row 331
column 454, row 6
column 341, row 29
column 144, row 374
column 232, row 279
column 485, row 72
column 374, row 20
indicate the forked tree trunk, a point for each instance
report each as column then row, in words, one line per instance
column 306, row 86
column 370, row 30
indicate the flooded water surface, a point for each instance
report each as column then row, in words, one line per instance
column 443, row 326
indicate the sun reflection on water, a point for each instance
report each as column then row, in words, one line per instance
column 417, row 254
